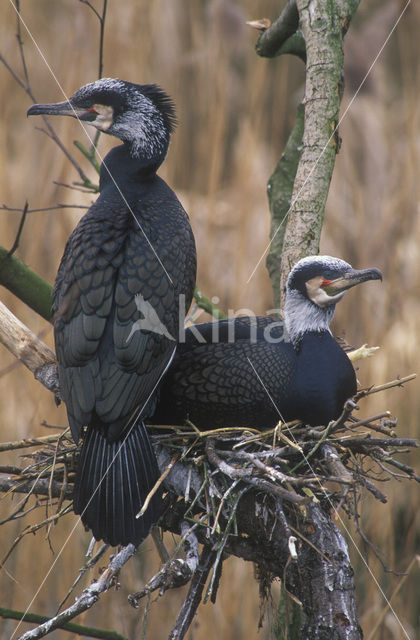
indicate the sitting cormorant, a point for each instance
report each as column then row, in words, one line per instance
column 255, row 371
column 123, row 271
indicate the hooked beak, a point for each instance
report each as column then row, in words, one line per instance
column 61, row 109
column 350, row 279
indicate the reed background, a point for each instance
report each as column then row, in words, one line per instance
column 235, row 111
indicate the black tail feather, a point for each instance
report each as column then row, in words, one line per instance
column 112, row 482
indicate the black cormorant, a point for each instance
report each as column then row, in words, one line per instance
column 255, row 371
column 116, row 305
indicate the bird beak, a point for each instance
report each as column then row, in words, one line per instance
column 350, row 279
column 61, row 109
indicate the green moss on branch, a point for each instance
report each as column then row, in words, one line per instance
column 25, row 284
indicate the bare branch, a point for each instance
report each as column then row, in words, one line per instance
column 399, row 382
column 28, row 442
column 27, row 347
column 19, row 231
column 76, row 629
column 88, row 598
column 278, row 38
column 91, row 560
column 42, row 487
column 194, row 595
column 25, row 85
column 42, row 209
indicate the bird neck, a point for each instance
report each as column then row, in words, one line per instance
column 119, row 165
column 302, row 316
column 146, row 138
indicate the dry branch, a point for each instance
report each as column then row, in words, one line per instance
column 29, row 349
column 76, row 629
column 88, row 598
column 175, row 572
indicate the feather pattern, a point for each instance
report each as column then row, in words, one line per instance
column 134, row 244
column 110, row 492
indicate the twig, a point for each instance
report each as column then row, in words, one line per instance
column 175, row 573
column 88, row 598
column 39, row 487
column 101, row 39
column 25, row 85
column 333, row 426
column 101, row 17
column 227, row 469
column 19, row 231
column 388, row 385
column 376, row 427
column 193, row 599
column 157, row 537
column 415, row 561
column 88, row 4
column 379, row 442
column 89, row 564
column 207, row 305
column 156, row 486
column 28, row 442
column 365, row 482
column 273, row 489
column 78, row 629
column 33, row 529
column 90, row 155
column 397, row 464
column 270, row 472
column 334, row 464
column 20, row 42
column 42, row 209
column 366, row 539
column 81, row 187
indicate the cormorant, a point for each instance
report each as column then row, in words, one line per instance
column 255, row 371
column 116, row 306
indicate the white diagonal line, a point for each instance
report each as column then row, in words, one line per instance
column 91, row 141
column 157, row 257
column 294, row 200
column 67, row 540
column 266, row 390
column 337, row 514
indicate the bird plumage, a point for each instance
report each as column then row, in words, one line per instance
column 255, row 371
column 135, row 240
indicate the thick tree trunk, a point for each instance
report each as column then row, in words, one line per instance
column 319, row 574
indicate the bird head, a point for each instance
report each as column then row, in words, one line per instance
column 314, row 286
column 142, row 116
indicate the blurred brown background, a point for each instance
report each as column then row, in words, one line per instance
column 235, row 111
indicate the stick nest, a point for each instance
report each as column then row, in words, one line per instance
column 208, row 472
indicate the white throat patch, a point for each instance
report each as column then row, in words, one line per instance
column 301, row 315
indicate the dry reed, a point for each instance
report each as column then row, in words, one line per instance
column 234, row 110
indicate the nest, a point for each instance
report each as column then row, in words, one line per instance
column 207, row 473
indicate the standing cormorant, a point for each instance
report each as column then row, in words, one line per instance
column 255, row 371
column 116, row 306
